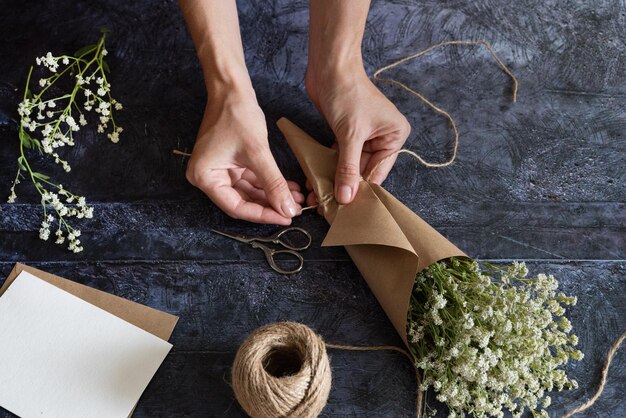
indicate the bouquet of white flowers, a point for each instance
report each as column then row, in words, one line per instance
column 489, row 338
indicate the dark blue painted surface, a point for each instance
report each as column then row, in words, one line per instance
column 541, row 180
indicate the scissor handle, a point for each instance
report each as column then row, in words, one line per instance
column 270, row 253
column 277, row 238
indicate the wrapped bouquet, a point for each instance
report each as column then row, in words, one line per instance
column 487, row 338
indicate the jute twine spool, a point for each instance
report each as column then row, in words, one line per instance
column 282, row 370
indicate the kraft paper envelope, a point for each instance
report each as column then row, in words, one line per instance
column 157, row 327
column 387, row 241
column 155, row 322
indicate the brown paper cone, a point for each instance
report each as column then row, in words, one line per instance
column 387, row 241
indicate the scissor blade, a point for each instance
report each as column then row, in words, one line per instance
column 237, row 237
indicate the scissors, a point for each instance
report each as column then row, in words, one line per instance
column 257, row 242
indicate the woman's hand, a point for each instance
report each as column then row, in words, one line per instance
column 368, row 128
column 232, row 163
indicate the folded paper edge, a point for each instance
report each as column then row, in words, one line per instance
column 398, row 238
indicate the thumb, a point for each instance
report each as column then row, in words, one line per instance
column 274, row 184
column 347, row 175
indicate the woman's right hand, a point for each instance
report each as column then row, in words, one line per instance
column 232, row 163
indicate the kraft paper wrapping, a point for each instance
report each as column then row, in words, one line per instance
column 387, row 241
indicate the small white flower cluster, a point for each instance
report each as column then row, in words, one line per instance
column 51, row 63
column 78, row 209
column 53, row 121
column 489, row 338
column 13, row 195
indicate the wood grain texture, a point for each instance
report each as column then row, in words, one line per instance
column 541, row 180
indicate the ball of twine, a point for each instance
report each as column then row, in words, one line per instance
column 282, row 370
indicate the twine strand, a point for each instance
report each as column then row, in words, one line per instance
column 179, row 152
column 605, row 371
column 420, row 393
column 433, row 106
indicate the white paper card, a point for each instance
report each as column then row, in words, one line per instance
column 63, row 357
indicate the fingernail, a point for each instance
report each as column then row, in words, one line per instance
column 344, row 194
column 289, row 208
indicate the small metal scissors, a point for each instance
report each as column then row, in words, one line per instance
column 256, row 242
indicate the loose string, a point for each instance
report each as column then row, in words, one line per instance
column 605, row 372
column 433, row 106
column 430, row 104
column 178, row 152
column 420, row 393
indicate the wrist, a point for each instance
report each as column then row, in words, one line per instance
column 327, row 75
column 223, row 79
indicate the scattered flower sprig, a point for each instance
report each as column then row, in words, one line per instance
column 49, row 123
column 489, row 338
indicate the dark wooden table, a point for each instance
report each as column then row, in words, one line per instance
column 542, row 180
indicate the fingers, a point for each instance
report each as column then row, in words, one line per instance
column 347, row 174
column 236, row 203
column 386, row 148
column 249, row 176
column 277, row 190
column 378, row 173
column 236, row 207
column 258, row 195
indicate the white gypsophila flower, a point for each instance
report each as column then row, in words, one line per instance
column 114, row 137
column 439, row 302
column 72, row 123
column 506, row 344
column 24, row 108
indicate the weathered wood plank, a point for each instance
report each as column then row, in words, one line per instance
column 182, row 231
